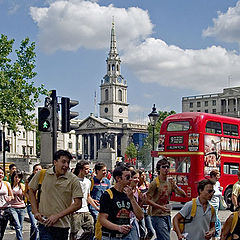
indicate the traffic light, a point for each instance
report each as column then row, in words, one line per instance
column 67, row 115
column 7, row 146
column 44, row 119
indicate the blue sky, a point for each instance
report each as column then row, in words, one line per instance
column 169, row 49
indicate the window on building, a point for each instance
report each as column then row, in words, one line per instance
column 120, row 95
column 206, row 110
column 206, row 103
column 109, row 67
column 214, row 111
column 24, row 134
column 31, row 151
column 70, row 145
column 198, row 110
column 24, row 150
column 121, row 120
column 113, row 67
column 117, row 67
column 213, row 127
column 191, row 104
column 70, row 135
column 198, row 104
column 230, row 129
column 106, row 95
column 214, row 102
column 8, row 132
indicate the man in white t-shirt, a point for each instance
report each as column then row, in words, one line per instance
column 82, row 226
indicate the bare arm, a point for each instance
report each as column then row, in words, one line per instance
column 176, row 220
column 33, row 200
column 209, row 234
column 103, row 219
column 226, row 227
column 92, row 202
column 179, row 191
column 77, row 204
column 234, row 200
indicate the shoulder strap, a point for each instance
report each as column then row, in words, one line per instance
column 42, row 175
column 234, row 221
column 157, row 182
column 110, row 193
column 92, row 184
column 194, row 207
column 6, row 184
column 212, row 210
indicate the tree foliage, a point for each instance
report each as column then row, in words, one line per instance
column 18, row 95
column 145, row 151
column 131, row 151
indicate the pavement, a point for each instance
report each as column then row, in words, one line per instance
column 10, row 234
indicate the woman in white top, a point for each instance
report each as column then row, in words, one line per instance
column 214, row 176
column 6, row 196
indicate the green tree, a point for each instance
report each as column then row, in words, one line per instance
column 145, row 151
column 131, row 151
column 18, row 95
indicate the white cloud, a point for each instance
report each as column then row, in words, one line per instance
column 226, row 25
column 69, row 25
column 204, row 70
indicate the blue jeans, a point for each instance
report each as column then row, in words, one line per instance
column 18, row 217
column 145, row 225
column 162, row 226
column 128, row 237
column 217, row 223
column 34, row 234
column 52, row 233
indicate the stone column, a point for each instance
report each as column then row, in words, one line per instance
column 83, row 146
column 100, row 136
column 115, row 143
column 226, row 105
column 89, row 146
column 95, row 147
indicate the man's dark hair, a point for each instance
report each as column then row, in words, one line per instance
column 80, row 165
column 36, row 165
column 99, row 165
column 214, row 173
column 203, row 183
column 133, row 173
column 12, row 165
column 161, row 162
column 61, row 153
column 118, row 171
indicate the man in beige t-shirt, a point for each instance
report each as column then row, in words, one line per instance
column 61, row 195
column 158, row 196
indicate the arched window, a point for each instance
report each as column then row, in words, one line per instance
column 113, row 67
column 106, row 95
column 117, row 67
column 120, row 95
column 109, row 68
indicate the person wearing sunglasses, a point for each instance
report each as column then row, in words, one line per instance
column 202, row 225
column 116, row 207
column 158, row 196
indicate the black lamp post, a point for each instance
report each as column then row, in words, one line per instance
column 153, row 117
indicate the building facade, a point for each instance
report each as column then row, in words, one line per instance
column 226, row 103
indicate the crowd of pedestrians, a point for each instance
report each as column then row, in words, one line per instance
column 110, row 205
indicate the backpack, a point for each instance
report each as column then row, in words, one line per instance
column 234, row 223
column 8, row 188
column 181, row 224
column 98, row 226
column 41, row 177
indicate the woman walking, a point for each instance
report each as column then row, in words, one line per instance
column 17, row 204
column 6, row 196
column 34, row 234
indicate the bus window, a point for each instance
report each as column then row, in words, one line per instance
column 182, row 164
column 230, row 129
column 230, row 168
column 213, row 127
column 178, row 126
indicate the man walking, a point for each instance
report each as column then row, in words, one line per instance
column 236, row 192
column 99, row 184
column 82, row 219
column 158, row 195
column 116, row 205
column 202, row 225
column 61, row 195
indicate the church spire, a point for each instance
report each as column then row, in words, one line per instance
column 113, row 44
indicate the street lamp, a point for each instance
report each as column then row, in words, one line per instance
column 153, row 117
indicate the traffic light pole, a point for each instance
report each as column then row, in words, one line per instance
column 4, row 151
column 54, row 121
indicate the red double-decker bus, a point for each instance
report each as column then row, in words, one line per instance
column 196, row 143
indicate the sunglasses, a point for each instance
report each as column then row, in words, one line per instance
column 211, row 191
column 165, row 166
column 128, row 177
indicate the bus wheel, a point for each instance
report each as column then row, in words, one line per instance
column 228, row 196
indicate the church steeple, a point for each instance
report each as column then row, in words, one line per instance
column 113, row 105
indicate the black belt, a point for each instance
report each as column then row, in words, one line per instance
column 116, row 235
